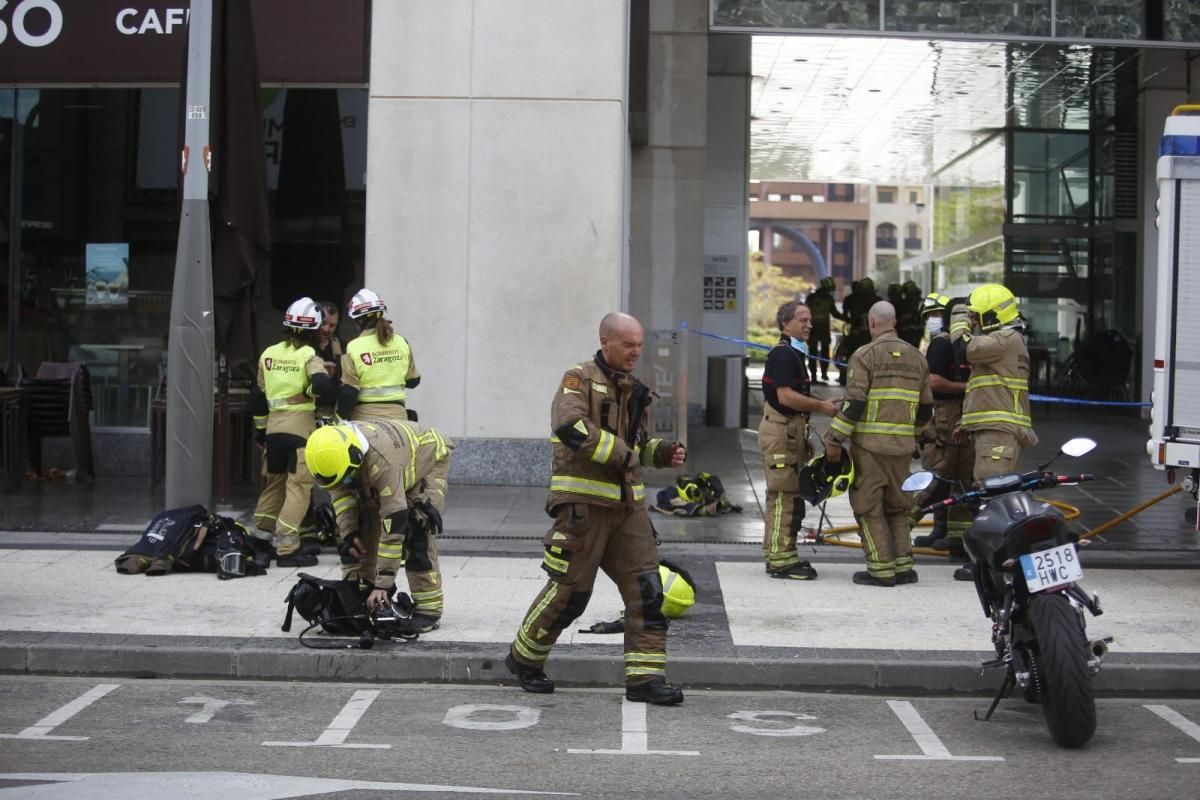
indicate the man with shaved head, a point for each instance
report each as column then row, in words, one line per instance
column 598, row 422
column 887, row 403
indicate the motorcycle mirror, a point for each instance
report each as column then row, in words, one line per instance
column 917, row 482
column 1078, row 447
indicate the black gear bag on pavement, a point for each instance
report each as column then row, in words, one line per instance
column 190, row 539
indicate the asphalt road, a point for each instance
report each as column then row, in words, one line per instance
column 135, row 740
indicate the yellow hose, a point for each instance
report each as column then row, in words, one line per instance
column 833, row 535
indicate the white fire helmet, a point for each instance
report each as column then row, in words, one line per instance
column 303, row 315
column 363, row 303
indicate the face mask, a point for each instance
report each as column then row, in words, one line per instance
column 933, row 325
column 799, row 345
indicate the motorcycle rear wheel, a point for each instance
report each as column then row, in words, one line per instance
column 1068, row 699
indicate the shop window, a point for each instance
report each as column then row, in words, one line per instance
column 885, row 194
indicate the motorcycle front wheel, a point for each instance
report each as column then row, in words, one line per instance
column 1068, row 700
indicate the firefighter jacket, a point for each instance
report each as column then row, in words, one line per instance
column 381, row 373
column 998, row 389
column 888, row 400
column 599, row 418
column 397, row 456
column 285, row 377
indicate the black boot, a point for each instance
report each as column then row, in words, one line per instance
column 965, row 573
column 297, row 559
column 865, row 578
column 531, row 679
column 657, row 691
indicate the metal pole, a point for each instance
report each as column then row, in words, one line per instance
column 16, row 195
column 189, row 424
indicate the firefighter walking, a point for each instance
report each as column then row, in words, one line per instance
column 399, row 469
column 887, row 402
column 599, row 420
column 291, row 381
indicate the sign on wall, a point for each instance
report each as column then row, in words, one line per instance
column 107, row 271
column 142, row 41
column 721, row 291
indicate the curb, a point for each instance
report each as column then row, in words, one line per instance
column 890, row 672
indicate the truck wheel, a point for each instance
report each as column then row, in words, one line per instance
column 1068, row 699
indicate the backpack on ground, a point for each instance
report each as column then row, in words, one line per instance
column 190, row 539
column 339, row 608
column 700, row 496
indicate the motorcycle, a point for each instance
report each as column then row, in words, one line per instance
column 1027, row 573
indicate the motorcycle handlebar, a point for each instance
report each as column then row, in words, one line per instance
column 1034, row 481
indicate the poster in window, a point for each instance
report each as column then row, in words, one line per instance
column 107, row 274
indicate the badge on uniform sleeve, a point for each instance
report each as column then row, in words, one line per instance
column 571, row 381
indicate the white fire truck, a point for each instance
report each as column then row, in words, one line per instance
column 1175, row 417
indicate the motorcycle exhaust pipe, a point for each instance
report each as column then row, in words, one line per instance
column 1099, row 648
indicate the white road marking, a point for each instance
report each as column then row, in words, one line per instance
column 208, row 786
column 634, row 738
column 463, row 716
column 764, row 716
column 211, row 706
column 335, row 735
column 925, row 738
column 41, row 728
column 1182, row 723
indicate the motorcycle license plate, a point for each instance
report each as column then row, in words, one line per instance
column 1049, row 568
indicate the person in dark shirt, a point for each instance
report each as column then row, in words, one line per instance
column 329, row 344
column 783, row 439
column 947, row 453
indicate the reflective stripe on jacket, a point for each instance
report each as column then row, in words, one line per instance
column 888, row 399
column 593, row 461
column 998, row 390
column 378, row 371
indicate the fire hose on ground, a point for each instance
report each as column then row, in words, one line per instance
column 833, row 535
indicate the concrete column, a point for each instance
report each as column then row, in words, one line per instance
column 496, row 207
column 666, row 257
column 1165, row 73
column 726, row 183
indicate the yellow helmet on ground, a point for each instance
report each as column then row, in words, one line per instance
column 679, row 592
column 333, row 455
column 994, row 304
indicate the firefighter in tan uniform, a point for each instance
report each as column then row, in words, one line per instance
column 947, row 451
column 291, row 380
column 783, row 439
column 378, row 367
column 598, row 419
column 996, row 407
column 887, row 403
column 996, row 410
column 394, row 468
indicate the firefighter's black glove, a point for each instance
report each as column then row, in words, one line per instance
column 423, row 514
column 350, row 549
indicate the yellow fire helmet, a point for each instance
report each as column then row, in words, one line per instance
column 679, row 592
column 934, row 302
column 333, row 455
column 994, row 304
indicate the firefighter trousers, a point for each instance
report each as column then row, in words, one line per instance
column 996, row 453
column 420, row 547
column 283, row 505
column 881, row 510
column 784, row 444
column 954, row 465
column 586, row 538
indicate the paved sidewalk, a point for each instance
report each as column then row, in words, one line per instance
column 67, row 611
